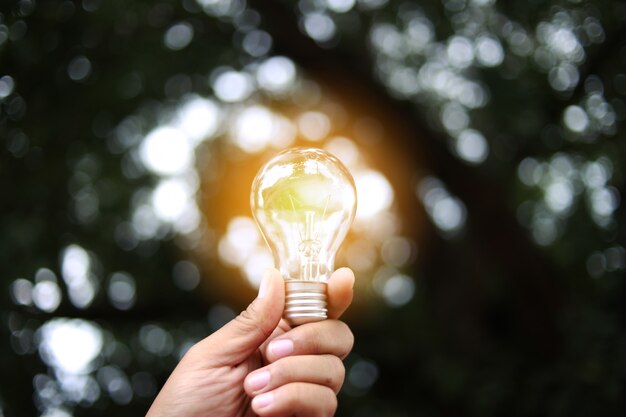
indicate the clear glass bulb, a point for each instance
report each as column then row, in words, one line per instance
column 304, row 201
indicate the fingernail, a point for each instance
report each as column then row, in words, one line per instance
column 258, row 381
column 264, row 284
column 263, row 400
column 280, row 348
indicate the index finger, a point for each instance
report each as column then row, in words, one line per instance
column 339, row 297
column 340, row 292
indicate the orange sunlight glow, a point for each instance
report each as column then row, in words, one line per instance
column 206, row 153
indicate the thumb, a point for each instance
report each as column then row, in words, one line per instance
column 240, row 337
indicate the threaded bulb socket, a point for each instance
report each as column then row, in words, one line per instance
column 305, row 302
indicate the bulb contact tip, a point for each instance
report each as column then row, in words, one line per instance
column 305, row 302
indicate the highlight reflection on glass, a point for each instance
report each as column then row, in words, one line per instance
column 304, row 201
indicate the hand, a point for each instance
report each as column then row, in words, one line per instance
column 258, row 355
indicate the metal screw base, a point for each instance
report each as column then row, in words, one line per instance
column 305, row 302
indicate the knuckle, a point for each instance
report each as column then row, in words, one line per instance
column 341, row 374
column 247, row 316
column 248, row 321
column 291, row 398
column 323, row 401
column 315, row 400
column 279, row 375
column 347, row 338
column 336, row 375
column 316, row 335
column 350, row 338
column 330, row 381
column 330, row 403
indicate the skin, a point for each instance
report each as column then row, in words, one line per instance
column 258, row 365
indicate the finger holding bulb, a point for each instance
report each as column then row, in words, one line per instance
column 302, row 385
column 306, row 368
column 339, row 295
column 340, row 292
column 331, row 337
column 327, row 336
column 306, row 381
column 296, row 399
column 326, row 370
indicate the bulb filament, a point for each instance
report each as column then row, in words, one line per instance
column 310, row 245
column 309, row 249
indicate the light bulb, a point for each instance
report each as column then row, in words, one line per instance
column 304, row 201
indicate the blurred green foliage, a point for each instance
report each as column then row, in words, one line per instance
column 517, row 107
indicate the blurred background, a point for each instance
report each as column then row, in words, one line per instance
column 484, row 138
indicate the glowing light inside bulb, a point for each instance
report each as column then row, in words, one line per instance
column 274, row 174
column 304, row 202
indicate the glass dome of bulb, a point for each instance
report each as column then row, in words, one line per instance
column 304, row 201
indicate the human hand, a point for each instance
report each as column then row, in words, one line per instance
column 258, row 365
